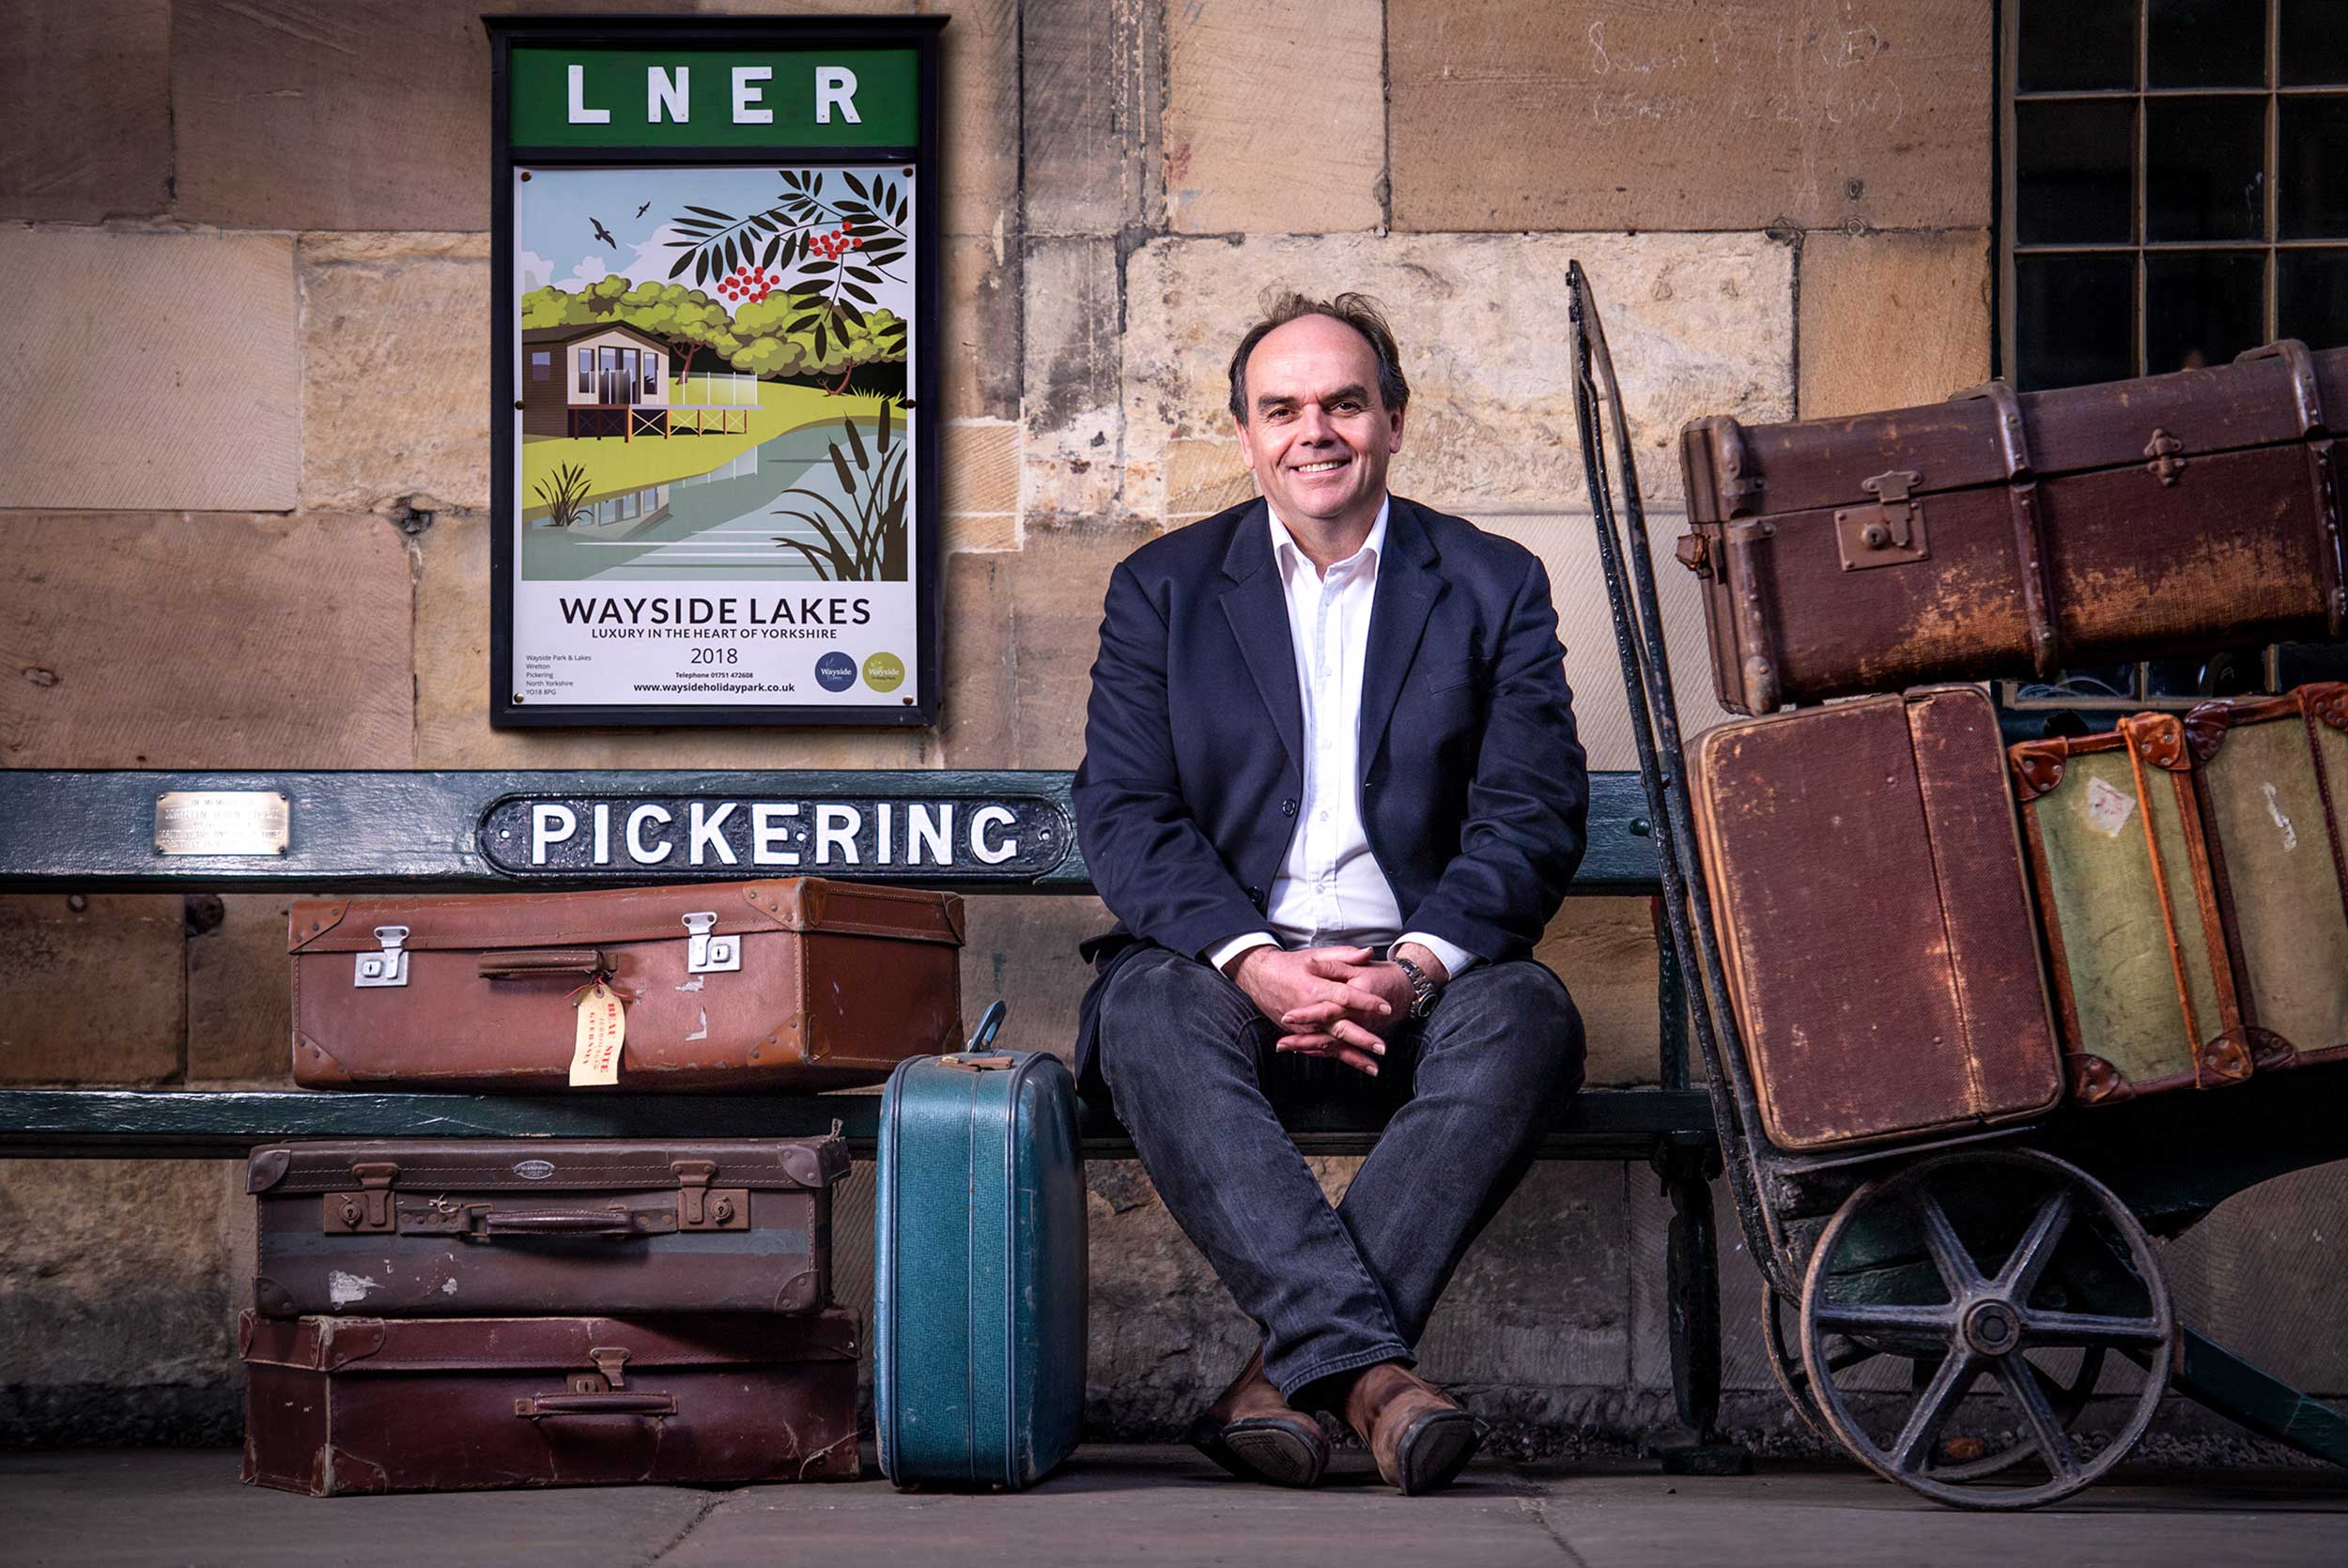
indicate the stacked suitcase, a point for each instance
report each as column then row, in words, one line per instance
column 447, row 1314
column 1893, row 888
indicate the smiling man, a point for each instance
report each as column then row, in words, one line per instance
column 1332, row 793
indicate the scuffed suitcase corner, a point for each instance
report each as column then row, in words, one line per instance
column 840, row 1461
column 343, row 1473
column 801, row 1292
column 265, row 1168
column 314, row 1066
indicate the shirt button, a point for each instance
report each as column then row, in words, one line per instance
column 1288, row 807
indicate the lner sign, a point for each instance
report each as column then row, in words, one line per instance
column 714, row 97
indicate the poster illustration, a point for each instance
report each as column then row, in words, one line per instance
column 713, row 508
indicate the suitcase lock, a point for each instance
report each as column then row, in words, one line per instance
column 701, row 1206
column 1890, row 533
column 707, row 953
column 370, row 1209
column 388, row 967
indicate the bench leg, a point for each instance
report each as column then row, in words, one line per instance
column 1693, row 1284
column 2223, row 1381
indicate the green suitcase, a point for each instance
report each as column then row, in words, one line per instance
column 2271, row 772
column 2129, row 903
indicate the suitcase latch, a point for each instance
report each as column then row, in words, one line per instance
column 1890, row 533
column 701, row 1206
column 2163, row 449
column 705, row 952
column 369, row 1208
column 612, row 1362
column 388, row 967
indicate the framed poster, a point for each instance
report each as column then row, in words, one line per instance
column 714, row 461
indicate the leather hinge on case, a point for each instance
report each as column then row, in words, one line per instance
column 705, row 952
column 1890, row 533
column 388, row 967
column 701, row 1206
column 612, row 1362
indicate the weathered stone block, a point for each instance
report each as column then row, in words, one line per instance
column 1071, row 350
column 239, row 989
column 1247, row 81
column 981, row 374
column 980, row 114
column 97, row 985
column 1022, row 950
column 396, row 372
column 1021, row 632
column 1091, row 76
column 1543, row 1295
column 1744, row 1350
column 204, row 642
column 980, row 467
column 1690, row 115
column 453, row 694
column 1699, row 324
column 148, row 370
column 1203, row 476
column 1604, row 950
column 119, row 1285
column 1893, row 320
column 85, row 108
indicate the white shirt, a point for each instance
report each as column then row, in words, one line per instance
column 1329, row 890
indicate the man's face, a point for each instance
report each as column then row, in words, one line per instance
column 1318, row 435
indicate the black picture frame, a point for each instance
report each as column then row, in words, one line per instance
column 922, row 36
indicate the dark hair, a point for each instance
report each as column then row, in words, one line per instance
column 1281, row 306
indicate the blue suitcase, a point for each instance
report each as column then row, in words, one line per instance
column 979, row 1282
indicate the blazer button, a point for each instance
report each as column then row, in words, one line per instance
column 1288, row 806
column 1255, row 894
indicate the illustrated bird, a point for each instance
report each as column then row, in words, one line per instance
column 603, row 234
column 641, row 210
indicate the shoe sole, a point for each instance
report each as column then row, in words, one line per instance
column 1434, row 1451
column 1266, row 1450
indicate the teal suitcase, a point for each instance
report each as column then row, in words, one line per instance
column 979, row 1283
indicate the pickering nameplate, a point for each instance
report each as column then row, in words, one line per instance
column 221, row 822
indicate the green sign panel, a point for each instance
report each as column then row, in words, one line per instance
column 590, row 97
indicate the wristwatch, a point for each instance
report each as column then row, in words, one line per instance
column 1423, row 988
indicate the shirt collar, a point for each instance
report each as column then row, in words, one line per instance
column 1290, row 555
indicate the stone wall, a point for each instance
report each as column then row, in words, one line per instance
column 243, row 402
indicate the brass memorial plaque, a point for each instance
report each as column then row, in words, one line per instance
column 221, row 822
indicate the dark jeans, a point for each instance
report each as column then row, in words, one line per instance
column 1190, row 1064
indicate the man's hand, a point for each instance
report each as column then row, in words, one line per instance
column 1335, row 987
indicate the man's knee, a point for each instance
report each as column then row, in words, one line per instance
column 1520, row 1010
column 1163, row 1013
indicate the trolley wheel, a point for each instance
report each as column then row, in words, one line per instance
column 1958, row 1459
column 1909, row 1266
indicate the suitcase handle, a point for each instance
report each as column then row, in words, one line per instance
column 596, row 1405
column 543, row 961
column 616, row 1223
column 990, row 1024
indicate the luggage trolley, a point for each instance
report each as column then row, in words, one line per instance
column 2017, row 1264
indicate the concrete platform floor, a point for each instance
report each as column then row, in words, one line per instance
column 1154, row 1505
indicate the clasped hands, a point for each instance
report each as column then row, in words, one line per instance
column 1340, row 1002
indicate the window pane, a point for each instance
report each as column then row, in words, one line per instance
column 2315, row 43
column 2073, row 320
column 2202, row 308
column 2205, row 168
column 2205, row 44
column 2070, row 45
column 2230, row 672
column 2315, row 168
column 2312, row 306
column 2075, row 167
column 2298, row 663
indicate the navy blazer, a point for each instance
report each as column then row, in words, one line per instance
column 1474, row 791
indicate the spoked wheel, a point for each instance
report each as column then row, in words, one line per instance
column 2004, row 1268
column 1959, row 1458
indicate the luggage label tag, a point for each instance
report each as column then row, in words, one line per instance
column 602, row 1031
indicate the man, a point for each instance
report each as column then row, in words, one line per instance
column 1332, row 793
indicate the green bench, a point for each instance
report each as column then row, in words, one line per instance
column 1004, row 832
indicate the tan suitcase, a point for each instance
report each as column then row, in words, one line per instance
column 1873, row 916
column 2272, row 775
column 798, row 984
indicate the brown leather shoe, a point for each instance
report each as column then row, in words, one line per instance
column 1257, row 1435
column 1420, row 1438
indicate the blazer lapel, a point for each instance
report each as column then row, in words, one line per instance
column 1258, row 608
column 1408, row 586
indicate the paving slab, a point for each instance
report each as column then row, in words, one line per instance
column 1117, row 1504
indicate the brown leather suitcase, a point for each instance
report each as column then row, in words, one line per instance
column 798, row 984
column 340, row 1404
column 491, row 1226
column 2131, row 905
column 2005, row 534
column 2272, row 784
column 1869, row 895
